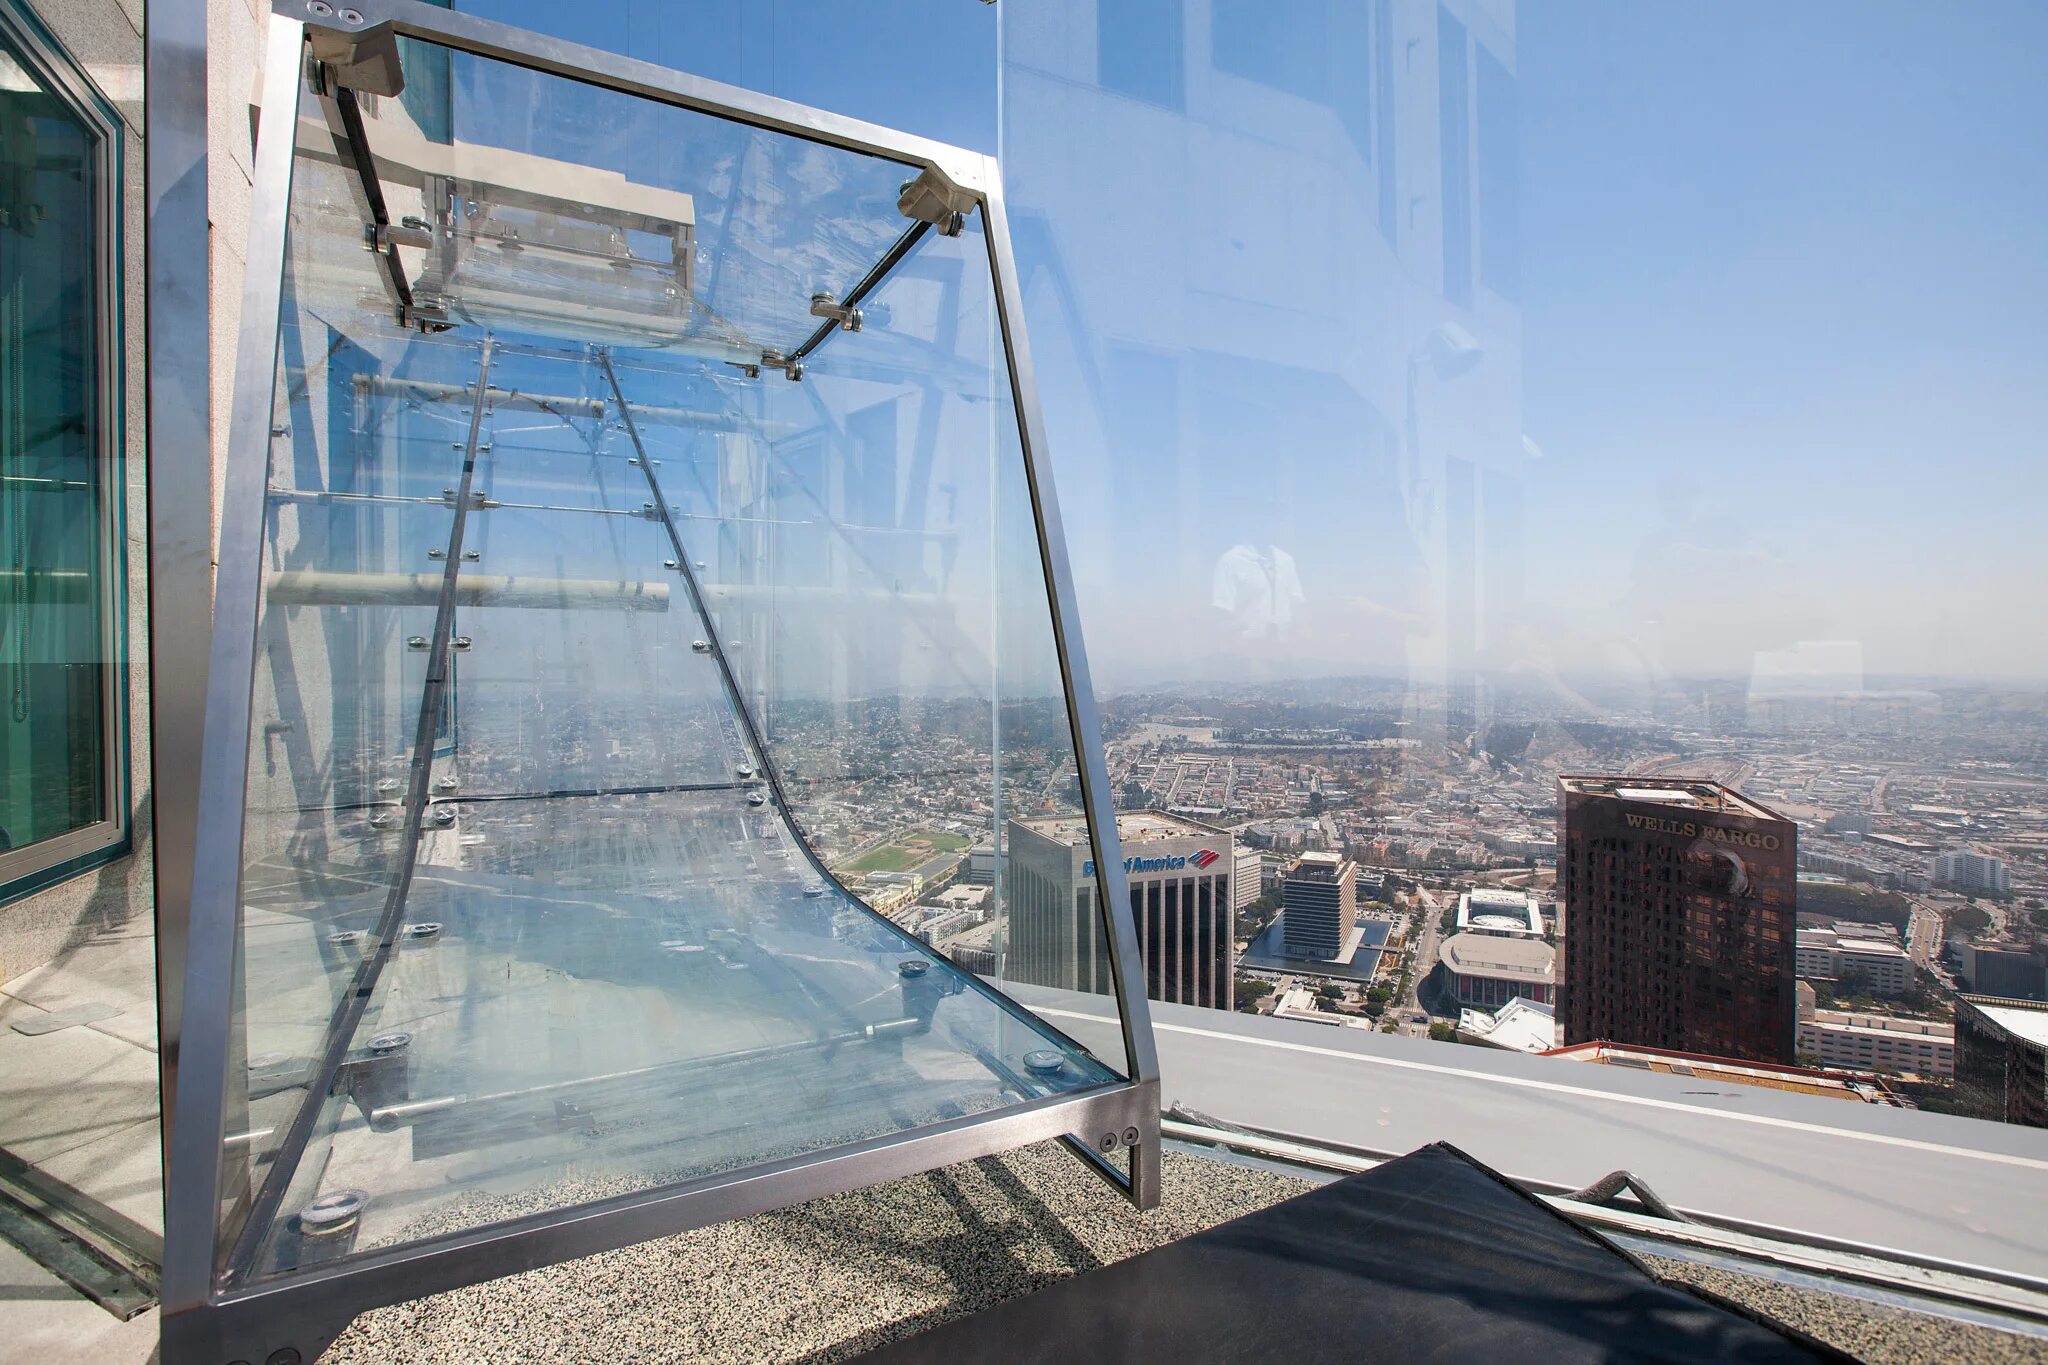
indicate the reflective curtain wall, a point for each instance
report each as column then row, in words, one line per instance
column 1580, row 465
column 654, row 647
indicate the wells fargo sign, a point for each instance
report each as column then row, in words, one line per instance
column 1745, row 838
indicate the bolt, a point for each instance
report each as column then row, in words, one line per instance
column 1108, row 1142
column 1131, row 1136
column 437, row 554
column 461, row 642
column 669, row 564
column 280, row 431
column 416, row 642
column 472, row 556
column 319, row 7
column 285, row 1355
column 349, row 16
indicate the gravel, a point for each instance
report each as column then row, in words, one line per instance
column 827, row 1280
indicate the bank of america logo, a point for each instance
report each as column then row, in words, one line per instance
column 1203, row 859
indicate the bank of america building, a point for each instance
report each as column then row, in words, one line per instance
column 1180, row 874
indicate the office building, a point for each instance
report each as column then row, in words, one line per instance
column 1244, row 878
column 1319, row 905
column 1874, row 1042
column 1679, row 902
column 1978, row 873
column 2013, row 971
column 1858, row 962
column 2002, row 1060
column 1180, row 873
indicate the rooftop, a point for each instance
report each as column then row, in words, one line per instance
column 1695, row 793
column 1490, row 955
column 1132, row 827
column 2023, row 1019
column 1791, row 1080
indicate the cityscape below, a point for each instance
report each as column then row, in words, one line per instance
column 1841, row 898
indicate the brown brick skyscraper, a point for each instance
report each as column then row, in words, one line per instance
column 1679, row 917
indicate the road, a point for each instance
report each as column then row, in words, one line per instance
column 1420, row 965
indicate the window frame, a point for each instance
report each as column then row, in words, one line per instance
column 46, row 862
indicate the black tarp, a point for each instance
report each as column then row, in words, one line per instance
column 1428, row 1258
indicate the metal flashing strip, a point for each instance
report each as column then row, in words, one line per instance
column 2023, row 1298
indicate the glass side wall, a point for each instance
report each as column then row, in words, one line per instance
column 557, row 886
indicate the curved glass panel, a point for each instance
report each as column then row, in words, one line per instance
column 627, row 718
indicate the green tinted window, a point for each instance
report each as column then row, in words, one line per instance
column 57, row 555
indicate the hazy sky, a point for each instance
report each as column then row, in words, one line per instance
column 1777, row 323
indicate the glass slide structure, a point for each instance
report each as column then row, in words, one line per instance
column 641, row 610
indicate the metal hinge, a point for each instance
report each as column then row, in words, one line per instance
column 935, row 198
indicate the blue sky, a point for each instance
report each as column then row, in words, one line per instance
column 1782, row 323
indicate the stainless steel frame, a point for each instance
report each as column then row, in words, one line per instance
column 290, row 1320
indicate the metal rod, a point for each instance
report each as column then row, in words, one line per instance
column 355, row 144
column 867, row 285
column 409, row 1111
column 566, row 407
column 321, row 588
column 348, row 1012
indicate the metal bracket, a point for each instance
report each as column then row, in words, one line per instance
column 825, row 306
column 792, row 367
column 426, row 315
column 936, row 198
column 364, row 60
column 412, row 232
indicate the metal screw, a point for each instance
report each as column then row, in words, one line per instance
column 472, row 556
column 460, row 642
column 280, row 431
column 632, row 459
column 1108, row 1142
column 1131, row 1136
column 669, row 564
column 319, row 7
column 446, row 784
column 416, row 642
column 349, row 16
column 284, row 1355
column 437, row 554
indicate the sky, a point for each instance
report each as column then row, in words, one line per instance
column 1764, row 384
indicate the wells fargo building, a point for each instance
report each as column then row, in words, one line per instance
column 1679, row 923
